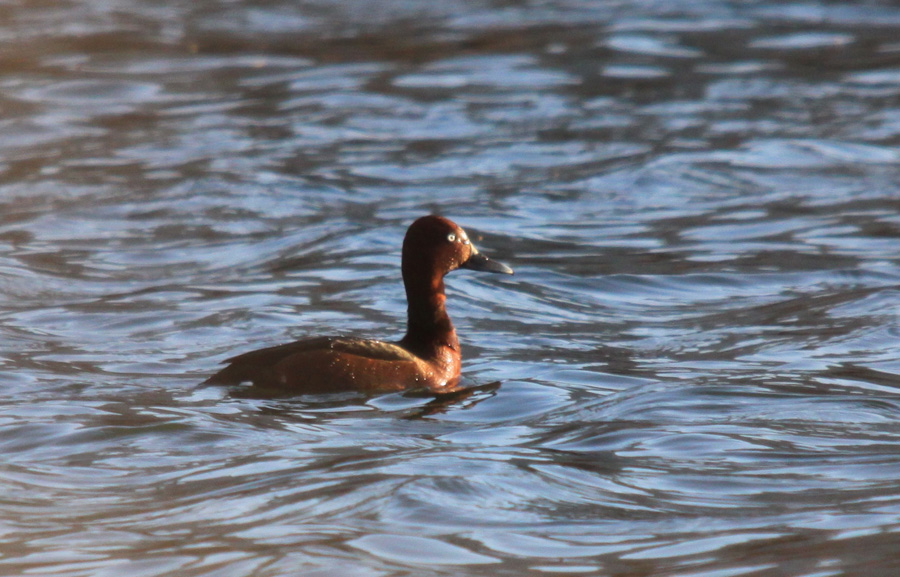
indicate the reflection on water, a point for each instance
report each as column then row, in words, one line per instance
column 694, row 371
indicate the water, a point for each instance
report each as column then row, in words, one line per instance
column 693, row 373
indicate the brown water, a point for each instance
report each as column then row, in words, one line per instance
column 696, row 365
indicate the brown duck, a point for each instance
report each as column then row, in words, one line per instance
column 428, row 357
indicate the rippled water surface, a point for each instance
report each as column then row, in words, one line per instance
column 694, row 371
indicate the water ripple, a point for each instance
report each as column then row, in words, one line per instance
column 693, row 371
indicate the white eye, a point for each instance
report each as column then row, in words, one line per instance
column 451, row 237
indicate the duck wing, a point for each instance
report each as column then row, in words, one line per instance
column 257, row 365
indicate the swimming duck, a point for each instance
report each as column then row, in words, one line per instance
column 427, row 357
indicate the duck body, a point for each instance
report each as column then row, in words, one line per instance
column 335, row 364
column 428, row 356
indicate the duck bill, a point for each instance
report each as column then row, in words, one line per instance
column 478, row 261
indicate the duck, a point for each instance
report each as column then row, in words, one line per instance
column 426, row 358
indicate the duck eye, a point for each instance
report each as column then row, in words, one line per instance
column 451, row 237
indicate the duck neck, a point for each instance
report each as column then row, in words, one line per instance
column 429, row 330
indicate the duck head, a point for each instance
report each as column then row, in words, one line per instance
column 435, row 246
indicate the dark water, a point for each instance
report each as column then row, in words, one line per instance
column 697, row 358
